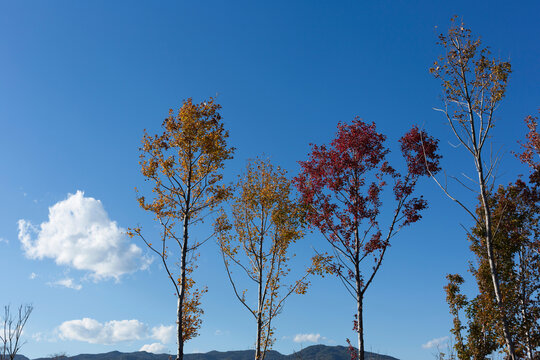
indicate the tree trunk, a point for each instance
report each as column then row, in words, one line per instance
column 260, row 302
column 258, row 345
column 180, row 340
column 182, row 295
column 359, row 294
column 491, row 260
column 360, row 320
column 523, row 300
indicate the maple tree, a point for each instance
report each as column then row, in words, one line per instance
column 255, row 237
column 474, row 83
column 341, row 186
column 184, row 165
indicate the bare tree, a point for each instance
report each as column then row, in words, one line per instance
column 10, row 336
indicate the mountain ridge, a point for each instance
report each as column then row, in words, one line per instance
column 313, row 352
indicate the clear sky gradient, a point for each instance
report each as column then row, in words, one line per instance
column 80, row 80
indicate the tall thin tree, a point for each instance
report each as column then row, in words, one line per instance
column 341, row 187
column 256, row 237
column 184, row 164
column 474, row 84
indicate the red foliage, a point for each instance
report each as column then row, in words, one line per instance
column 341, row 184
column 352, row 351
column 420, row 151
column 532, row 148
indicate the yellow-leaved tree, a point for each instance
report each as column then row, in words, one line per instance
column 255, row 236
column 184, row 165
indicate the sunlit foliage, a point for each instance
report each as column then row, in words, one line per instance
column 184, row 164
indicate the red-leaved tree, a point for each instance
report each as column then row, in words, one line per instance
column 531, row 149
column 341, row 186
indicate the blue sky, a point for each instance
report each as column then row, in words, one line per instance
column 80, row 80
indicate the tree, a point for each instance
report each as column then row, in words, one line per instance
column 184, row 165
column 341, row 187
column 264, row 221
column 10, row 335
column 474, row 84
column 480, row 339
column 532, row 150
column 515, row 210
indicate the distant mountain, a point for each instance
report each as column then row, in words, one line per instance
column 315, row 352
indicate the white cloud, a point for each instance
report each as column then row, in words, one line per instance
column 2, row 240
column 163, row 333
column 67, row 282
column 314, row 338
column 39, row 337
column 155, row 348
column 94, row 332
column 80, row 234
column 32, row 276
column 435, row 342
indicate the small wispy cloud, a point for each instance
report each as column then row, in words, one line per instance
column 219, row 332
column 67, row 282
column 433, row 343
column 314, row 338
column 32, row 276
column 44, row 337
column 2, row 240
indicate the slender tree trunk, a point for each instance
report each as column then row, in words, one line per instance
column 258, row 345
column 359, row 295
column 491, row 260
column 180, row 340
column 360, row 319
column 260, row 303
column 524, row 303
column 182, row 294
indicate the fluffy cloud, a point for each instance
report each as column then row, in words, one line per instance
column 67, row 282
column 435, row 343
column 314, row 338
column 163, row 334
column 80, row 234
column 94, row 332
column 155, row 348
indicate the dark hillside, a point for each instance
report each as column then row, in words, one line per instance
column 315, row 352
